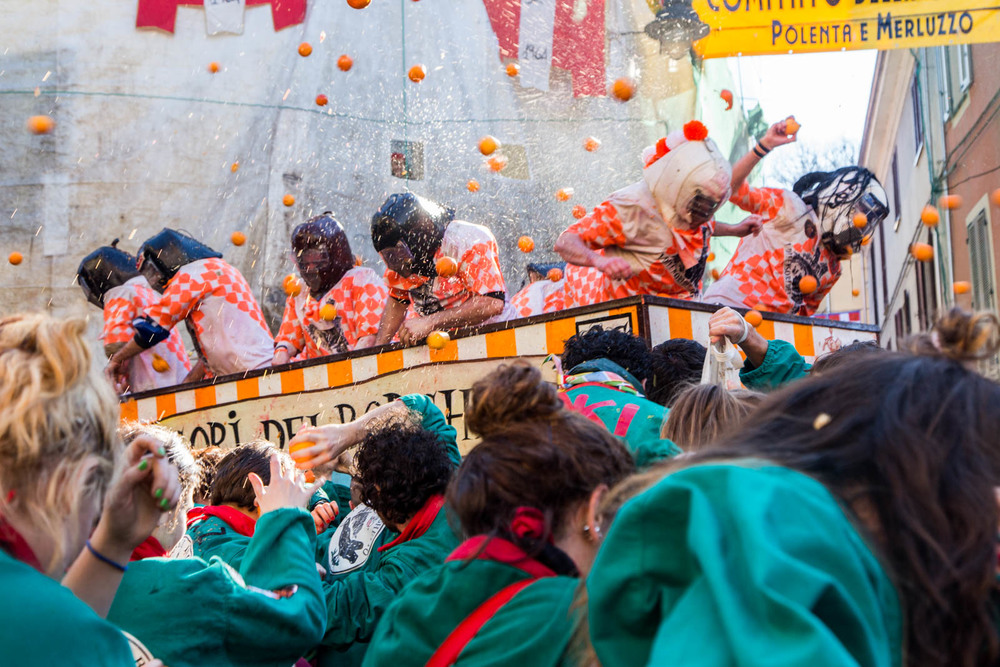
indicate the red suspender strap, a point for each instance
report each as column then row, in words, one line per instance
column 455, row 643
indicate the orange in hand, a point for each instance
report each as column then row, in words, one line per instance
column 753, row 318
column 526, row 244
column 345, row 62
column 417, row 73
column 623, row 89
column 446, row 267
column 238, row 238
column 923, row 252
column 436, row 340
column 555, row 274
column 791, row 125
column 295, row 448
column 488, row 144
column 305, row 49
column 15, row 258
column 808, row 284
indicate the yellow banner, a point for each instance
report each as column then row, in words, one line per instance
column 762, row 27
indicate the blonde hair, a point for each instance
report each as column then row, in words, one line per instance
column 701, row 413
column 55, row 411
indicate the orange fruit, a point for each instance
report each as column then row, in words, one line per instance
column 711, row 257
column 727, row 97
column 160, row 364
column 288, row 200
column 358, row 260
column 554, row 274
column 513, row 69
column 436, row 340
column 234, row 167
column 488, row 144
column 295, row 448
column 238, row 238
column 579, row 211
column 962, row 287
column 526, row 244
column 321, row 100
column 305, row 49
column 950, row 202
column 753, row 318
column 715, row 274
column 328, row 312
column 563, row 194
column 591, row 144
column 791, row 125
column 497, row 163
column 446, row 266
column 359, row 4
column 472, row 185
column 345, row 62
column 309, row 476
column 923, row 252
column 15, row 258
column 995, row 197
column 808, row 284
column 623, row 89
column 292, row 285
column 860, row 220
column 930, row 216
column 40, row 124
column 213, row 67
column 417, row 73
column 866, row 240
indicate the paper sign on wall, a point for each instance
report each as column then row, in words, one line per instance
column 538, row 21
column 224, row 16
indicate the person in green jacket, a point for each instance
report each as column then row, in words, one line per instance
column 190, row 612
column 525, row 497
column 58, row 452
column 605, row 378
column 772, row 364
column 402, row 473
column 850, row 520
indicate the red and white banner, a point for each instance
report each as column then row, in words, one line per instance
column 162, row 14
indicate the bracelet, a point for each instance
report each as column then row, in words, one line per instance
column 746, row 333
column 760, row 151
column 104, row 559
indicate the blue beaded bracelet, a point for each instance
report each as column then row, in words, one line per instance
column 104, row 559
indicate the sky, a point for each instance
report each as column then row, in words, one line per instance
column 826, row 92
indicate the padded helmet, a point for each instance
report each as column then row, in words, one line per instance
column 169, row 250
column 836, row 196
column 417, row 222
column 103, row 269
column 322, row 253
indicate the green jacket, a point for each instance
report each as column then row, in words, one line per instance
column 211, row 537
column 782, row 364
column 750, row 564
column 626, row 413
column 532, row 630
column 43, row 623
column 189, row 612
column 356, row 602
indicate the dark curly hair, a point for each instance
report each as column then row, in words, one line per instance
column 675, row 363
column 628, row 351
column 399, row 467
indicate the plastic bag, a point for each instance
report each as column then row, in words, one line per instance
column 722, row 365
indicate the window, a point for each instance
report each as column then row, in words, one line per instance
column 981, row 263
column 944, row 82
column 926, row 291
column 918, row 119
column 964, row 58
column 407, row 159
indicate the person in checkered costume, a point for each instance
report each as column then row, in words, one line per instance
column 412, row 234
column 541, row 294
column 357, row 296
column 652, row 237
column 807, row 231
column 215, row 300
column 111, row 282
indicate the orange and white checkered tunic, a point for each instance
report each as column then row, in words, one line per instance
column 765, row 271
column 122, row 305
column 474, row 248
column 228, row 324
column 541, row 296
column 359, row 298
column 665, row 261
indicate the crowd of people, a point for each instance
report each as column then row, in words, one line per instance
column 651, row 237
column 838, row 513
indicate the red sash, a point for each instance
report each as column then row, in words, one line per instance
column 447, row 653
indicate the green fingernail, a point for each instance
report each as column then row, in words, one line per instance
column 159, row 493
column 162, row 451
column 164, row 504
column 143, row 465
